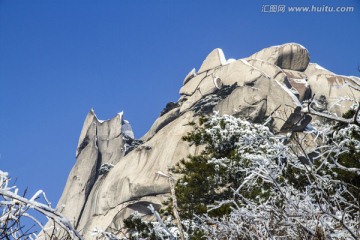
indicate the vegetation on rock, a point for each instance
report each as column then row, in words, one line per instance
column 249, row 183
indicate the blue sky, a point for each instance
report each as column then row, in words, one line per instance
column 60, row 58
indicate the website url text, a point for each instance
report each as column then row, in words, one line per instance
column 307, row 9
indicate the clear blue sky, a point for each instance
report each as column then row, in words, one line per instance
column 60, row 58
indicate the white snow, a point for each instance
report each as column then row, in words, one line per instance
column 230, row 60
column 246, row 62
column 222, row 56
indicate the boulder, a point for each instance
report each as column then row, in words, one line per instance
column 215, row 59
column 260, row 90
column 191, row 86
column 264, row 97
column 259, row 94
column 291, row 56
column 271, row 70
column 239, row 72
column 296, row 81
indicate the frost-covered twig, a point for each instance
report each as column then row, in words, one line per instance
column 278, row 196
column 15, row 206
column 103, row 234
column 160, row 221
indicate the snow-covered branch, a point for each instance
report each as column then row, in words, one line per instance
column 14, row 207
column 277, row 195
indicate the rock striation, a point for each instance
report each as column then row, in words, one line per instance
column 115, row 174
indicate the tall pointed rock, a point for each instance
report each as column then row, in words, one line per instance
column 100, row 142
column 214, row 59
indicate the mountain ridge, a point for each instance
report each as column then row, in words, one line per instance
column 271, row 83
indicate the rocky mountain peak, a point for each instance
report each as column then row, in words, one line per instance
column 115, row 174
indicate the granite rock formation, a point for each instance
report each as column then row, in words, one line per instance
column 115, row 174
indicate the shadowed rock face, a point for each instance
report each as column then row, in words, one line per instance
column 106, row 185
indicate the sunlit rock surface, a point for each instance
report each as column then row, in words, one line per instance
column 115, row 175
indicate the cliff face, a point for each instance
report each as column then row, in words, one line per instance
column 115, row 174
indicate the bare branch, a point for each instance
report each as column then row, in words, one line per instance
column 44, row 209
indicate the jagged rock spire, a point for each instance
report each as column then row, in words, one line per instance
column 101, row 142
